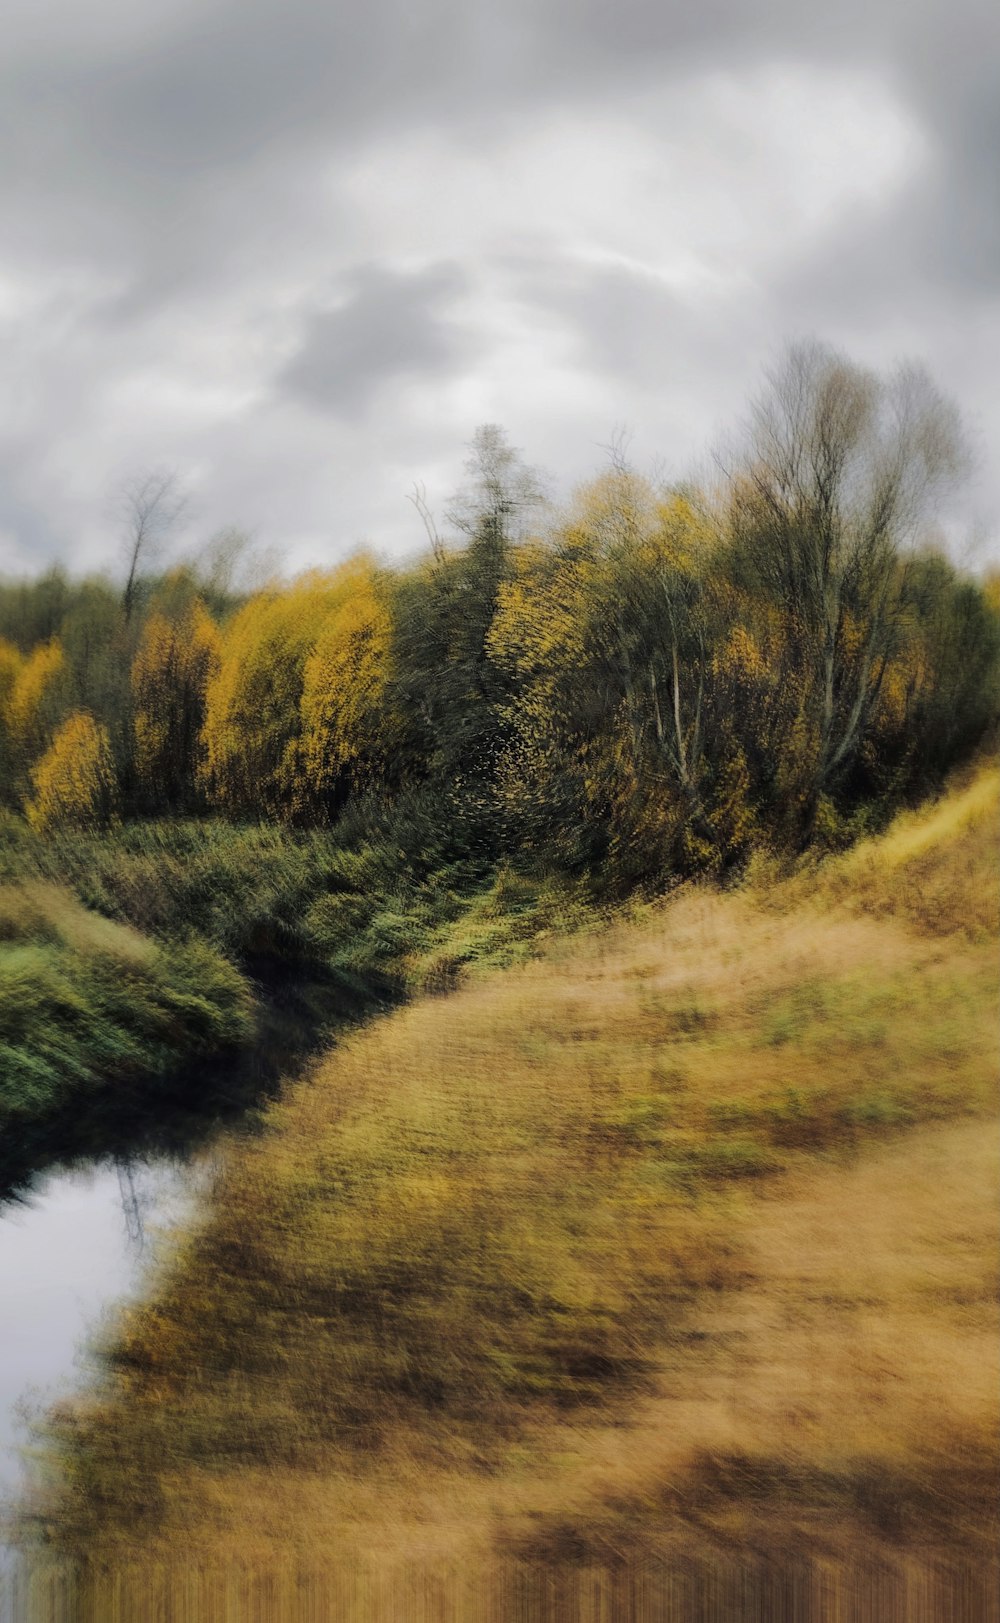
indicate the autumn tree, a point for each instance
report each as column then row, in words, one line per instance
column 265, row 730
column 655, row 549
column 643, row 684
column 73, row 783
column 449, row 683
column 177, row 658
column 605, row 631
column 558, row 708
column 10, row 664
column 349, row 727
column 838, row 474
column 943, row 693
column 28, row 709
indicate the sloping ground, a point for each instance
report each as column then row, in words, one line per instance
column 679, row 1244
column 89, row 1006
column 844, row 1398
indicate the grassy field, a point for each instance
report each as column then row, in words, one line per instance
column 676, row 1244
column 156, row 977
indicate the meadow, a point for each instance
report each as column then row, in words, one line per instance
column 674, row 1243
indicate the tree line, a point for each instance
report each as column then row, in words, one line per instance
column 653, row 679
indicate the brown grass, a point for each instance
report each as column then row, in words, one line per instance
column 846, row 1396
column 678, row 1242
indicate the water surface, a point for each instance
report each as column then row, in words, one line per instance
column 74, row 1244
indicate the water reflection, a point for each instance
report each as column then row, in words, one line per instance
column 174, row 1116
column 135, row 1203
column 70, row 1247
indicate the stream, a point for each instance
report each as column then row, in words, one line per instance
column 73, row 1245
column 85, row 1198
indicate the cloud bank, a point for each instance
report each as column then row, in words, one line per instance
column 298, row 252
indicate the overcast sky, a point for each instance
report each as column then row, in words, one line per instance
column 299, row 250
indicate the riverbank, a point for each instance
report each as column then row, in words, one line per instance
column 159, row 978
column 673, row 1245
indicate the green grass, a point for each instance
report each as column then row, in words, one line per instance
column 89, row 1005
column 135, row 952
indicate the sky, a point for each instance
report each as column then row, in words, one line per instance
column 296, row 252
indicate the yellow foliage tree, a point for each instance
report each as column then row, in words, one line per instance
column 11, row 661
column 550, row 781
column 603, row 632
column 345, row 720
column 26, row 684
column 74, row 780
column 252, row 736
column 10, row 665
column 840, row 473
column 179, row 654
column 32, row 681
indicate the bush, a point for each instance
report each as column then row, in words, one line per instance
column 74, row 781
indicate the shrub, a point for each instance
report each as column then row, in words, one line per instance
column 74, row 780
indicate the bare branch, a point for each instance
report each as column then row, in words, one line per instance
column 151, row 504
column 841, row 470
column 503, row 487
column 418, row 496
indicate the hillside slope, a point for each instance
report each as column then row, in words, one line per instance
column 679, row 1242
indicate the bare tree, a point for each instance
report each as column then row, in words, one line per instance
column 503, row 488
column 151, row 504
column 418, row 496
column 234, row 562
column 840, row 472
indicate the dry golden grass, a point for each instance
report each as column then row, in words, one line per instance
column 679, row 1241
column 35, row 910
column 846, row 1395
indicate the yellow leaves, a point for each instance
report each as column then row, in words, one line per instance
column 541, row 616
column 730, row 814
column 178, row 656
column 615, row 509
column 27, row 679
column 605, row 632
column 26, row 684
column 74, row 781
column 854, row 633
column 740, row 655
column 621, row 516
column 684, row 535
column 905, row 676
column 252, row 704
column 10, row 665
column 345, row 680
column 301, row 676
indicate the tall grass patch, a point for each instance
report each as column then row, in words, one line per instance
column 87, row 1004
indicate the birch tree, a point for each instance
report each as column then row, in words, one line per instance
column 840, row 472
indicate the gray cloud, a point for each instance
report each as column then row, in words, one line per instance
column 626, row 324
column 179, row 193
column 391, row 324
column 25, row 537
